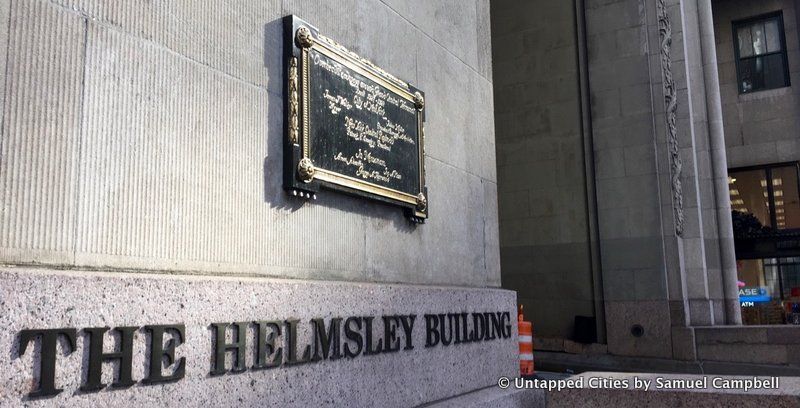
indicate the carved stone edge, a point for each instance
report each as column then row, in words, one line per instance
column 671, row 106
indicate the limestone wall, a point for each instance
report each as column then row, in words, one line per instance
column 544, row 239
column 147, row 136
column 140, row 184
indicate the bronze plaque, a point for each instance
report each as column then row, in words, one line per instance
column 351, row 126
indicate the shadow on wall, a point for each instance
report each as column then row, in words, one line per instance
column 273, row 162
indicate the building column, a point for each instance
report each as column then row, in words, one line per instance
column 719, row 162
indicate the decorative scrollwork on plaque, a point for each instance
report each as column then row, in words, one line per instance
column 350, row 126
column 304, row 38
column 306, row 170
column 419, row 101
column 364, row 61
column 422, row 202
column 671, row 107
column 294, row 104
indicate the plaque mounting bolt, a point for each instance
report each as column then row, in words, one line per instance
column 303, row 37
column 306, row 170
column 422, row 202
column 419, row 101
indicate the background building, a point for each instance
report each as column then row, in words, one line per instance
column 620, row 127
column 761, row 113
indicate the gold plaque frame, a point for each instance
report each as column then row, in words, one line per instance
column 305, row 40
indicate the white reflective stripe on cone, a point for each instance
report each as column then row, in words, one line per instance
column 526, row 357
column 525, row 339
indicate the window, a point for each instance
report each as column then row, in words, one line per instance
column 760, row 48
column 760, row 206
column 765, row 203
column 769, row 289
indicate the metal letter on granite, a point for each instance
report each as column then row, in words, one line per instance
column 351, row 127
column 277, row 343
column 671, row 107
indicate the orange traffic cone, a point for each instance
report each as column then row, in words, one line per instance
column 525, row 345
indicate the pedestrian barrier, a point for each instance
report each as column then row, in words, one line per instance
column 525, row 345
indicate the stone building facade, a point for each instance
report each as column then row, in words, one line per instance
column 589, row 159
column 618, row 124
column 141, row 184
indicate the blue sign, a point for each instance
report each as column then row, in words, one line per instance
column 754, row 294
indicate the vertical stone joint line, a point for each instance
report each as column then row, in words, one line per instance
column 671, row 107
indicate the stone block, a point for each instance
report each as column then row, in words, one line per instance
column 387, row 234
column 450, row 23
column 509, row 18
column 484, row 38
column 602, row 44
column 632, row 41
column 491, row 234
column 481, row 155
column 694, row 257
column 644, row 221
column 639, row 160
column 768, row 105
column 614, row 16
column 41, row 130
column 616, row 223
column 542, row 203
column 653, row 316
column 619, row 284
column 329, row 18
column 731, row 335
column 727, row 75
column 701, row 311
column 514, row 205
column 5, row 21
column 548, row 343
column 635, row 100
column 616, row 73
column 548, row 230
column 550, row 322
column 789, row 334
column 97, row 299
column 450, row 121
column 240, row 38
column 147, row 203
column 530, row 176
column 616, row 132
column 449, row 248
column 606, row 104
column 788, row 150
column 744, row 353
column 496, row 397
column 650, row 284
column 586, row 396
column 772, row 130
column 385, row 38
column 751, row 154
column 588, row 349
column 453, row 242
column 627, row 191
